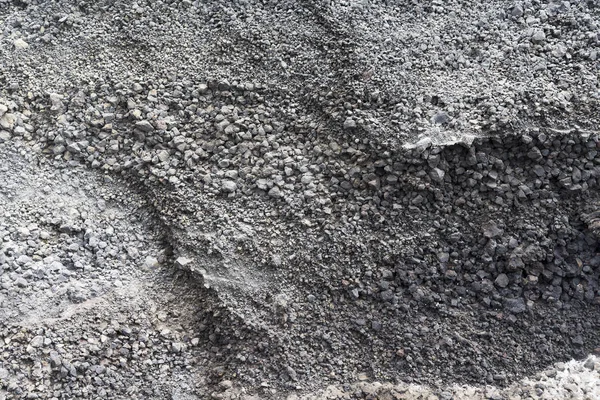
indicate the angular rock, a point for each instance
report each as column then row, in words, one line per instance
column 538, row 37
column 502, row 281
column 144, row 126
column 349, row 124
column 183, row 262
column 515, row 306
column 229, row 186
column 20, row 44
column 491, row 230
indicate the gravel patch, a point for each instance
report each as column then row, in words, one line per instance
column 267, row 199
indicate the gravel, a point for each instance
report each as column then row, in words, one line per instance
column 276, row 199
column 576, row 379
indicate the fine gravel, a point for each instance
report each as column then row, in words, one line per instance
column 299, row 199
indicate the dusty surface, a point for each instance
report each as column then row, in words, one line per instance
column 278, row 199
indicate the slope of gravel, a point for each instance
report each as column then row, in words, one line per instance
column 374, row 191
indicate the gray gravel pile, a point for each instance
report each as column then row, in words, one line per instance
column 362, row 190
column 90, row 306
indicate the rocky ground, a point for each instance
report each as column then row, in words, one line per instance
column 259, row 199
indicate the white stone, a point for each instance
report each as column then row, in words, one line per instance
column 20, row 44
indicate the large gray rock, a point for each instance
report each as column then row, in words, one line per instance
column 229, row 186
column 538, row 37
column 515, row 306
column 144, row 126
column 502, row 281
column 491, row 230
column 349, row 123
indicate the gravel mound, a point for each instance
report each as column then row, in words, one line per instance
column 346, row 191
